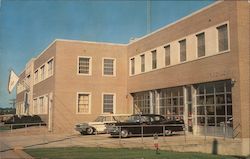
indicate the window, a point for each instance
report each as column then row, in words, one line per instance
column 50, row 67
column 201, row 44
column 182, row 50
column 42, row 75
column 167, row 55
column 36, row 76
column 132, row 66
column 143, row 63
column 109, row 67
column 222, row 37
column 84, row 65
column 108, row 103
column 41, row 104
column 83, row 105
column 35, row 106
column 141, row 102
column 214, row 106
column 154, row 59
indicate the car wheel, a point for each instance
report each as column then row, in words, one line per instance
column 82, row 133
column 90, row 131
column 168, row 132
column 124, row 133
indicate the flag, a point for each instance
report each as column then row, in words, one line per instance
column 13, row 79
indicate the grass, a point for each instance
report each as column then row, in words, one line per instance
column 118, row 153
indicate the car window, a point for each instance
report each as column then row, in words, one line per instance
column 99, row 119
column 145, row 119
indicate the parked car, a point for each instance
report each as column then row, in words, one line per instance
column 98, row 125
column 146, row 124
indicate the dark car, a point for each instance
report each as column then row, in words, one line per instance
column 146, row 124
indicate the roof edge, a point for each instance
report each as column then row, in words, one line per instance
column 91, row 42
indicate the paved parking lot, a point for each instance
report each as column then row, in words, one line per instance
column 38, row 138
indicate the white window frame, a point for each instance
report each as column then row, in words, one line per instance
column 179, row 43
column 36, row 80
column 90, row 102
column 130, row 66
column 90, row 65
column 114, row 66
column 217, row 37
column 44, row 73
column 53, row 63
column 114, row 102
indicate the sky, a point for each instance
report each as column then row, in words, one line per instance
column 27, row 27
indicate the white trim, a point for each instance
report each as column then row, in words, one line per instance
column 91, row 42
column 175, row 22
column 90, row 66
column 90, row 102
column 114, row 101
column 114, row 66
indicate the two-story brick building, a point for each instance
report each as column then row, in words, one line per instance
column 196, row 69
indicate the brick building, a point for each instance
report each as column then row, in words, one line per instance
column 196, row 69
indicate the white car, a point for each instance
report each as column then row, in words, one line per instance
column 98, row 125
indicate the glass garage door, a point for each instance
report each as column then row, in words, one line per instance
column 214, row 108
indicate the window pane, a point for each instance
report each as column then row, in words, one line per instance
column 220, row 99
column 229, row 98
column 223, row 37
column 84, row 65
column 201, row 44
column 142, row 63
column 108, row 103
column 201, row 121
column 167, row 55
column 229, row 110
column 200, row 110
column 154, row 59
column 210, row 99
column 211, row 121
column 210, row 110
column 182, row 50
column 133, row 66
column 83, row 103
column 108, row 67
column 220, row 110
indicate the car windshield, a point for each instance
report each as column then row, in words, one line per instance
column 99, row 119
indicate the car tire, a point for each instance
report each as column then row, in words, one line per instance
column 168, row 132
column 89, row 131
column 124, row 133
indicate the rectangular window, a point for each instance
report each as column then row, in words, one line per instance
column 50, row 67
column 35, row 106
column 154, row 59
column 108, row 103
column 84, row 66
column 41, row 104
column 167, row 55
column 132, row 66
column 109, row 67
column 201, row 44
column 183, row 50
column 42, row 75
column 83, row 105
column 36, row 76
column 143, row 63
column 223, row 37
